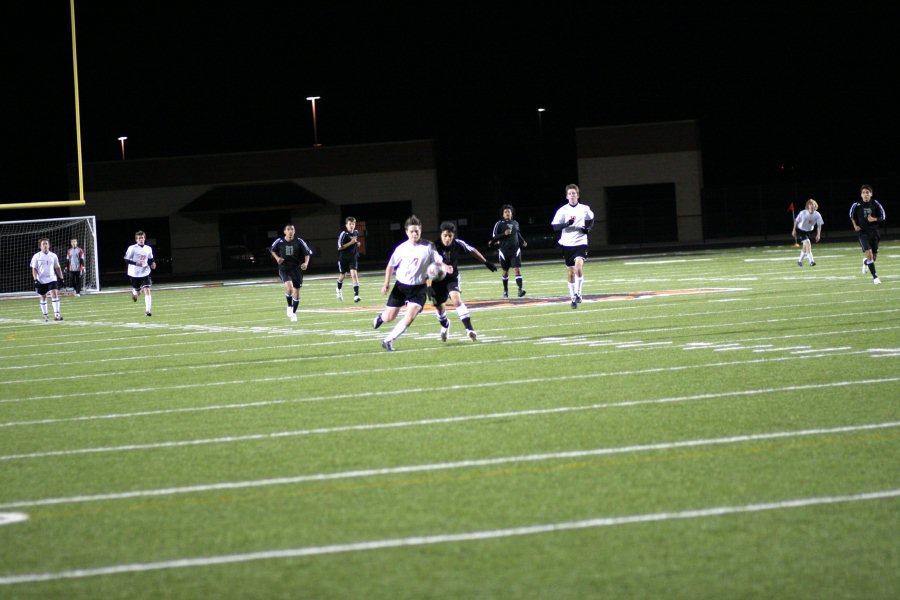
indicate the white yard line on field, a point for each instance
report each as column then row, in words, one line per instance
column 447, row 538
column 418, row 423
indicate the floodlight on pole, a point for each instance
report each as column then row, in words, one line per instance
column 122, row 140
column 541, row 124
column 313, row 99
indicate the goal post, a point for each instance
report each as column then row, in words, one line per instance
column 19, row 242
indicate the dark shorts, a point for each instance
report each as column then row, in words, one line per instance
column 292, row 274
column 345, row 265
column 443, row 288
column 139, row 283
column 44, row 288
column 510, row 260
column 868, row 241
column 570, row 253
column 402, row 293
column 806, row 235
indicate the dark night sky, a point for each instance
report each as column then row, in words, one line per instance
column 771, row 84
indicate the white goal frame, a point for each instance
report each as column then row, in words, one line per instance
column 19, row 242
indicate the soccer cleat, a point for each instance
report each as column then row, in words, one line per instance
column 472, row 335
column 812, row 263
column 149, row 314
column 799, row 263
column 521, row 293
column 865, row 268
column 289, row 311
column 574, row 304
column 340, row 295
column 376, row 323
column 58, row 318
column 876, row 281
column 294, row 317
column 356, row 298
column 77, row 294
column 506, row 295
column 134, row 297
column 578, row 298
column 46, row 319
column 444, row 332
column 388, row 345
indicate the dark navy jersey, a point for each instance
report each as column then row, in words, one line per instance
column 861, row 210
column 293, row 252
column 452, row 253
column 351, row 252
column 508, row 243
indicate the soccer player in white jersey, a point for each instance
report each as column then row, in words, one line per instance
column 47, row 273
column 409, row 262
column 807, row 223
column 139, row 257
column 574, row 221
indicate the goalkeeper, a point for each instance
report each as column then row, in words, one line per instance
column 75, row 261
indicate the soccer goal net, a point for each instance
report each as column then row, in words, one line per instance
column 19, row 241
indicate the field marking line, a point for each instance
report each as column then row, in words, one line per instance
column 446, row 466
column 424, row 422
column 284, row 378
column 446, row 538
column 368, row 334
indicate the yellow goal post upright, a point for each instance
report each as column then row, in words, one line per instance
column 80, row 201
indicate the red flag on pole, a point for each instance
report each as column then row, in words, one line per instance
column 791, row 207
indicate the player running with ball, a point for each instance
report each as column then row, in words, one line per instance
column 410, row 262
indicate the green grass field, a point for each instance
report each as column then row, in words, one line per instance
column 705, row 425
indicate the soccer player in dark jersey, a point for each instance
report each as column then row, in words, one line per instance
column 348, row 257
column 451, row 248
column 509, row 242
column 292, row 255
column 867, row 215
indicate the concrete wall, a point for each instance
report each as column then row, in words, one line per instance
column 326, row 178
column 640, row 155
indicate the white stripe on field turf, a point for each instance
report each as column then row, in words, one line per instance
column 283, row 378
column 447, row 538
column 402, row 424
column 463, row 464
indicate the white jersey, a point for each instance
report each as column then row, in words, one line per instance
column 573, row 236
column 807, row 222
column 410, row 261
column 142, row 256
column 45, row 264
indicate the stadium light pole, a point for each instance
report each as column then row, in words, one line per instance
column 122, row 140
column 316, row 143
column 541, row 124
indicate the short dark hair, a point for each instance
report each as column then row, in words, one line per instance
column 509, row 206
column 867, row 187
column 448, row 226
column 412, row 220
column 348, row 219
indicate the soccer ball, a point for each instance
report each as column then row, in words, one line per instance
column 435, row 272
